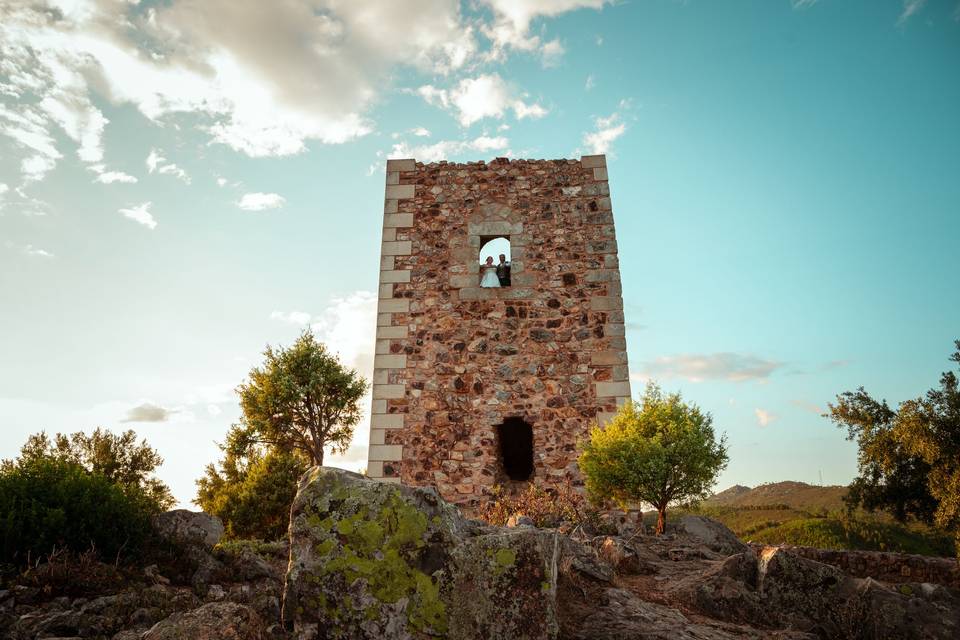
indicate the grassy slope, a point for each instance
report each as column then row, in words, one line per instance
column 803, row 514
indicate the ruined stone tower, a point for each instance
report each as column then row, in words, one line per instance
column 472, row 386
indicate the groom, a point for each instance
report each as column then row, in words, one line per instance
column 503, row 271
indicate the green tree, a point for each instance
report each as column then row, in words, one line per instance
column 117, row 457
column 909, row 459
column 660, row 450
column 49, row 504
column 253, row 488
column 301, row 399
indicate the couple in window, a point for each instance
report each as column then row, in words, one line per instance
column 495, row 275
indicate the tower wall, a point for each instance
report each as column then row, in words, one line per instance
column 454, row 360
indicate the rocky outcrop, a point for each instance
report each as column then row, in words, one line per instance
column 378, row 560
column 189, row 528
column 214, row 621
column 713, row 535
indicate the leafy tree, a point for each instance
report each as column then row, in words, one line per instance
column 49, row 504
column 117, row 457
column 660, row 450
column 302, row 399
column 253, row 489
column 909, row 459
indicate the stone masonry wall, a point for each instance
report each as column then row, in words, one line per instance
column 453, row 360
column 888, row 567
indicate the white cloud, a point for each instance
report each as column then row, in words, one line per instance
column 446, row 149
column 590, row 83
column 148, row 412
column 910, row 7
column 421, row 132
column 802, row 4
column 221, row 182
column 513, row 18
column 606, row 130
column 35, row 167
column 33, row 251
column 263, row 77
column 214, row 410
column 764, row 417
column 293, row 317
column 109, row 177
column 140, row 213
column 156, row 163
column 551, row 52
column 346, row 326
column 732, row 367
column 261, row 201
column 486, row 96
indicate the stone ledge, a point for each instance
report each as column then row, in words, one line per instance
column 392, row 275
column 391, row 391
column 612, row 389
column 402, row 164
column 395, row 220
column 394, row 305
column 396, row 248
column 386, row 421
column 388, row 333
column 400, row 191
column 606, row 303
column 384, row 361
column 592, row 162
column 385, row 452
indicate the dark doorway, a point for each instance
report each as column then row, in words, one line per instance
column 516, row 448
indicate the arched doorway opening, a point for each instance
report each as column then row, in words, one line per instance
column 515, row 439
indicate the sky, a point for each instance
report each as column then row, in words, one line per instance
column 185, row 182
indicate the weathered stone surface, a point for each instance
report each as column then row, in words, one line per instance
column 713, row 534
column 549, row 329
column 214, row 621
column 191, row 528
column 376, row 560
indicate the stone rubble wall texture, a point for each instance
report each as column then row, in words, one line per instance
column 453, row 360
column 882, row 565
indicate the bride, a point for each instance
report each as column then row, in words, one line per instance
column 489, row 278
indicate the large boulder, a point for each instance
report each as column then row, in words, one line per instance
column 378, row 560
column 713, row 535
column 189, row 528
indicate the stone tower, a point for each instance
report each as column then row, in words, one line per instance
column 474, row 387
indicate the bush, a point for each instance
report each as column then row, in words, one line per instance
column 49, row 505
column 546, row 507
column 252, row 495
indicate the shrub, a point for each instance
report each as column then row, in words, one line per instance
column 48, row 505
column 546, row 507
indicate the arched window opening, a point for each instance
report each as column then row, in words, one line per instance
column 515, row 437
column 495, row 261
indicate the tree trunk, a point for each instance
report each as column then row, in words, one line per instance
column 317, row 455
column 661, row 519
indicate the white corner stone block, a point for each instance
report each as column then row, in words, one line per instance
column 612, row 389
column 592, row 162
column 377, row 436
column 396, row 248
column 386, row 421
column 394, row 275
column 405, row 164
column 393, row 333
column 400, row 191
column 395, row 305
column 398, row 220
column 386, row 291
column 374, row 467
column 600, row 174
column 384, row 361
column 388, row 391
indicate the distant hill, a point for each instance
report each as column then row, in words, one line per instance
column 805, row 514
column 796, row 495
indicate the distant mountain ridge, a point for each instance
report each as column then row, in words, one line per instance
column 797, row 495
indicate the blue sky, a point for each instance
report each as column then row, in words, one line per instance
column 182, row 183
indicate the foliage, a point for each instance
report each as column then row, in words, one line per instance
column 116, row 457
column 251, row 492
column 546, row 507
column 301, row 398
column 47, row 504
column 809, row 525
column 659, row 451
column 909, row 459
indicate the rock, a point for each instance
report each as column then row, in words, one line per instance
column 214, row 621
column 519, row 520
column 379, row 560
column 713, row 535
column 189, row 528
column 216, row 592
column 619, row 555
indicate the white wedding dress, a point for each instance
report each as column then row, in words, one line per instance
column 489, row 278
